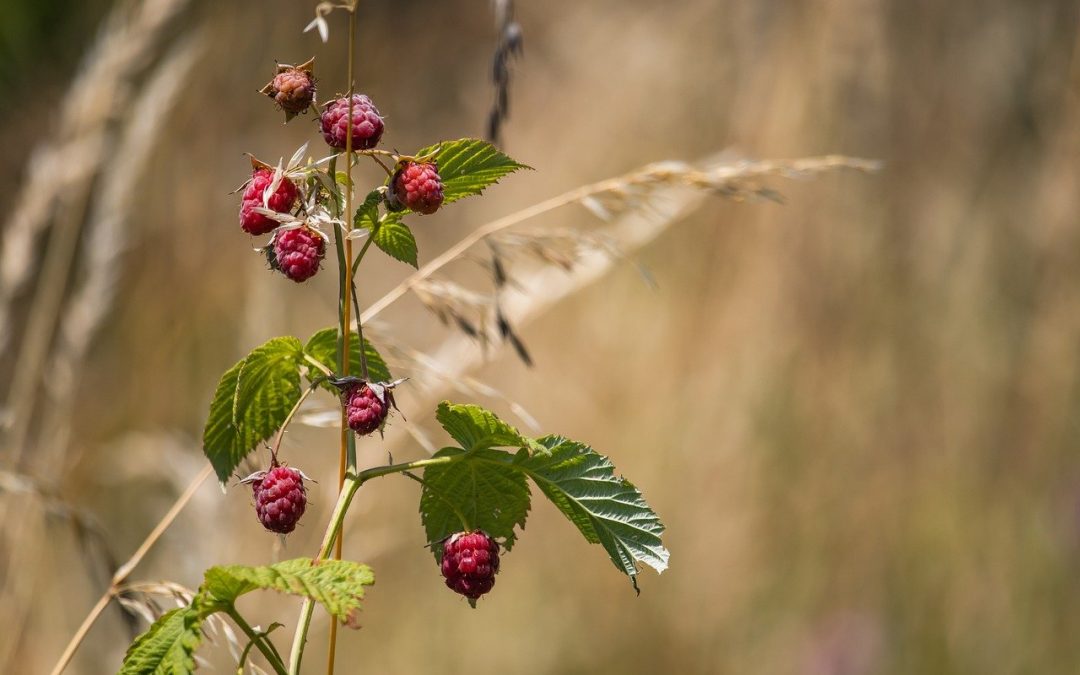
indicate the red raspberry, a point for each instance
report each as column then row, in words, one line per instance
column 367, row 127
column 418, row 187
column 365, row 410
column 280, row 499
column 297, row 253
column 470, row 561
column 281, row 200
column 293, row 89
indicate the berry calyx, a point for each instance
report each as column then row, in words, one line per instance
column 280, row 498
column 417, row 186
column 297, row 253
column 470, row 561
column 365, row 409
column 293, row 88
column 367, row 124
column 280, row 200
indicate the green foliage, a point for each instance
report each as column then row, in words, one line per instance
column 251, row 401
column 487, row 489
column 468, row 165
column 395, row 239
column 322, row 347
column 490, row 495
column 477, row 429
column 167, row 647
column 606, row 508
column 338, row 585
column 367, row 214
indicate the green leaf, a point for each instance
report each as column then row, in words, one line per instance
column 484, row 489
column 395, row 239
column 338, row 585
column 607, row 509
column 367, row 214
column 467, row 166
column 167, row 647
column 477, row 429
column 268, row 388
column 323, row 348
column 251, row 402
column 221, row 439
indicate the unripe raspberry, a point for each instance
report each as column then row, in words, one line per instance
column 364, row 409
column 293, row 89
column 280, row 499
column 282, row 201
column 417, row 186
column 367, row 126
column 470, row 561
column 296, row 253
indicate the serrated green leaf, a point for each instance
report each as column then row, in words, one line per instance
column 484, row 489
column 251, row 402
column 268, row 388
column 322, row 347
column 607, row 509
column 167, row 647
column 221, row 440
column 338, row 585
column 395, row 239
column 477, row 429
column 367, row 214
column 468, row 165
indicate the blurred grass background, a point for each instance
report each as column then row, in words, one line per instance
column 855, row 412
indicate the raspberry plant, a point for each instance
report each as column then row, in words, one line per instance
column 475, row 493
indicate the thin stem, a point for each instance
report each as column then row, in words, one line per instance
column 124, row 570
column 352, row 484
column 347, row 455
column 288, row 418
column 258, row 640
column 318, row 366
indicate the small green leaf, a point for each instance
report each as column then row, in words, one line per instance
column 395, row 239
column 367, row 214
column 484, row 489
column 251, row 402
column 477, row 429
column 468, row 165
column 167, row 647
column 323, row 348
column 607, row 509
column 338, row 585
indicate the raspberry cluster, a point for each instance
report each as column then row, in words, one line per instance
column 280, row 499
column 417, row 187
column 281, row 200
column 470, row 561
column 365, row 409
column 297, row 253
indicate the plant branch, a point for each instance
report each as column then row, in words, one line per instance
column 259, row 640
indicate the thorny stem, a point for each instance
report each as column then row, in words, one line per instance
column 259, row 640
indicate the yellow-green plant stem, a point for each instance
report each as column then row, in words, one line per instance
column 260, row 641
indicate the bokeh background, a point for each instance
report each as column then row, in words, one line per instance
column 855, row 411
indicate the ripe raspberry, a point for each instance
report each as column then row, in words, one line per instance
column 364, row 409
column 418, row 187
column 293, row 89
column 280, row 499
column 367, row 127
column 281, row 200
column 296, row 253
column 470, row 561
